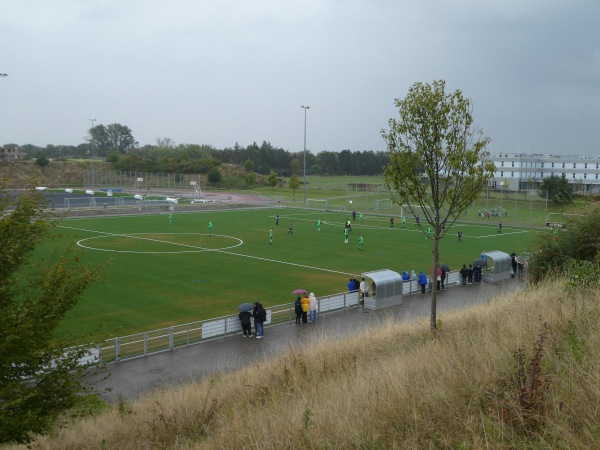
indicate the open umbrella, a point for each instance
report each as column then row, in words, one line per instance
column 479, row 263
column 245, row 307
column 299, row 291
column 445, row 267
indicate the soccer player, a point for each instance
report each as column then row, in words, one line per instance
column 429, row 233
column 391, row 222
column 360, row 216
column 170, row 217
column 271, row 236
column 209, row 228
column 346, row 235
column 360, row 243
column 403, row 221
column 459, row 235
column 277, row 219
column 500, row 228
column 291, row 228
column 353, row 216
column 318, row 224
column 417, row 221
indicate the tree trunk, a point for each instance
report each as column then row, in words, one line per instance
column 436, row 263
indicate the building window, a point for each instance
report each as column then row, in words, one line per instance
column 512, row 174
column 574, row 165
column 597, row 165
column 563, row 174
column 563, row 165
column 502, row 164
column 552, row 165
column 585, row 175
column 513, row 164
column 573, row 176
column 542, row 174
column 585, row 166
column 542, row 165
column 501, row 174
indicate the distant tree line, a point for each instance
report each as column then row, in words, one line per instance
column 116, row 144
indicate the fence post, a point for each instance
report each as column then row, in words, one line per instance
column 146, row 344
column 117, row 349
column 170, row 338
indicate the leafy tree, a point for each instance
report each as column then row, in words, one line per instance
column 41, row 161
column 557, row 189
column 248, row 165
column 214, row 175
column 272, row 180
column 115, row 137
column 436, row 160
column 39, row 379
column 295, row 166
column 250, row 179
column 294, row 184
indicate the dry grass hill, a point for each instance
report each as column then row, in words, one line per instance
column 521, row 371
column 20, row 174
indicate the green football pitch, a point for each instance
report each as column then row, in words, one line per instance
column 164, row 272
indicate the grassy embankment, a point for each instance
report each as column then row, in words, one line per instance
column 518, row 372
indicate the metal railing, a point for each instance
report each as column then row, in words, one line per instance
column 165, row 339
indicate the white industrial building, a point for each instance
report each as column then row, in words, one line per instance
column 517, row 172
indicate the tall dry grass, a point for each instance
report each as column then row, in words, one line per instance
column 521, row 371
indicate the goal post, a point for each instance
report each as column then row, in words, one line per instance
column 383, row 203
column 321, row 204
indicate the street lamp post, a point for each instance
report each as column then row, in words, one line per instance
column 305, row 108
column 92, row 142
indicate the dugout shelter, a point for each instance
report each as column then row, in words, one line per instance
column 498, row 266
column 385, row 289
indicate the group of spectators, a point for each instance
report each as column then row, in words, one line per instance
column 260, row 317
column 306, row 308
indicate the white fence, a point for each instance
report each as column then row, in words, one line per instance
column 165, row 339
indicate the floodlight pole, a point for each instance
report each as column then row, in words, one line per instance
column 304, row 181
column 92, row 142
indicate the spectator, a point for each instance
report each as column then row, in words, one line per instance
column 470, row 274
column 245, row 317
column 364, row 291
column 304, row 303
column 351, row 285
column 422, row 281
column 312, row 308
column 260, row 317
column 298, row 310
column 464, row 274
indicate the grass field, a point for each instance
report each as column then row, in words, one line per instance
column 163, row 273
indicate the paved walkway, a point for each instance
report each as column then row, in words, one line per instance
column 130, row 378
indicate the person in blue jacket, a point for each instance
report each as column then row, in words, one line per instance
column 422, row 281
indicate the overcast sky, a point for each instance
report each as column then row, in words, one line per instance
column 218, row 72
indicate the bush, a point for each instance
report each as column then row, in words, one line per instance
column 214, row 175
column 565, row 254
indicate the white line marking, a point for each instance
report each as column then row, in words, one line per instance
column 200, row 249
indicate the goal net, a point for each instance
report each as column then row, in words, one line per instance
column 383, row 204
column 317, row 204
